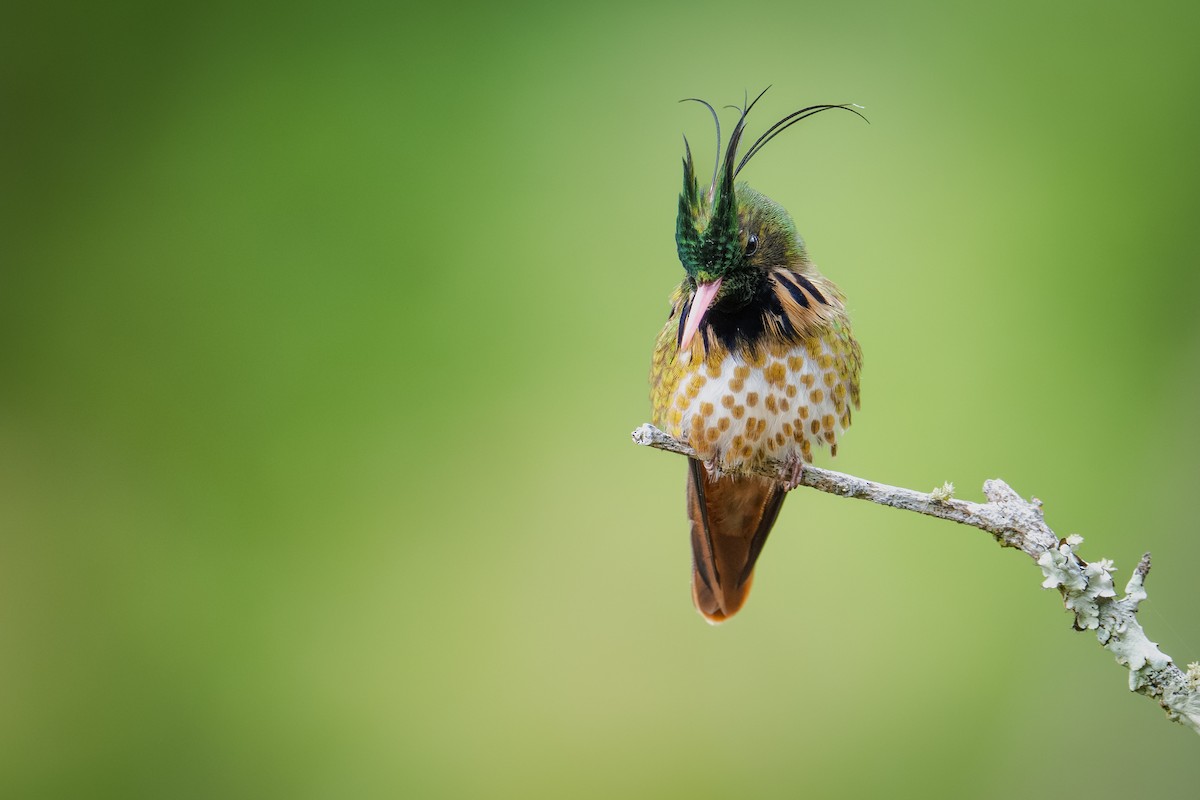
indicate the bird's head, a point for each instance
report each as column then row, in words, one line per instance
column 730, row 236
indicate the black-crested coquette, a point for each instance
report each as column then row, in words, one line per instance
column 756, row 363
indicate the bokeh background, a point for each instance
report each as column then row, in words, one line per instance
column 323, row 328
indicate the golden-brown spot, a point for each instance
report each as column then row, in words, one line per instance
column 762, row 426
column 806, row 449
column 839, row 405
column 727, row 401
column 791, row 391
column 833, row 448
column 692, row 391
column 723, row 423
column 706, row 409
column 741, row 373
column 846, row 419
column 747, row 451
column 815, row 426
column 817, row 396
column 795, row 363
column 787, row 429
column 752, row 399
column 737, row 411
column 830, row 379
column 825, row 360
column 807, row 380
column 779, row 440
column 681, row 401
column 829, row 437
column 827, row 422
column 711, row 434
column 839, row 390
column 713, row 370
column 757, row 358
column 784, row 404
column 813, row 347
column 736, row 385
column 738, row 441
column 697, row 422
column 771, row 403
column 775, row 374
column 798, row 435
column 803, row 412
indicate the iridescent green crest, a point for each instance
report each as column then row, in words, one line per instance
column 706, row 230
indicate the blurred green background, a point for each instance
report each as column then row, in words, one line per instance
column 324, row 328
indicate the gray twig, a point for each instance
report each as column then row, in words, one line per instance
column 1087, row 588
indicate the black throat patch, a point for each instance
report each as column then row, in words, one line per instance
column 745, row 328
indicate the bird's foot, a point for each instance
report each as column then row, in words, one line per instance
column 713, row 467
column 791, row 472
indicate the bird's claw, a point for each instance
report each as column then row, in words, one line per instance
column 791, row 472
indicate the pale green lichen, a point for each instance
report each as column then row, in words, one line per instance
column 1083, row 586
column 943, row 493
column 1133, row 650
column 1193, row 675
column 1088, row 591
column 1061, row 568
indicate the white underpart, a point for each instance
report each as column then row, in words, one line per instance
column 716, row 389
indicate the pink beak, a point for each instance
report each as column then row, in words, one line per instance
column 705, row 294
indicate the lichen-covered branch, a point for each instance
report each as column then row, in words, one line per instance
column 1087, row 588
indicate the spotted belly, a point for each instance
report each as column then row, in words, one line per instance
column 744, row 408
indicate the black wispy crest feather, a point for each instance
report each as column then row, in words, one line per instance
column 787, row 122
column 717, row 159
column 723, row 210
column 735, row 139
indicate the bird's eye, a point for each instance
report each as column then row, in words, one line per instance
column 752, row 244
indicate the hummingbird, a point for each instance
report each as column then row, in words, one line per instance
column 756, row 363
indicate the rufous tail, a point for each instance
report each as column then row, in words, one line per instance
column 731, row 517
